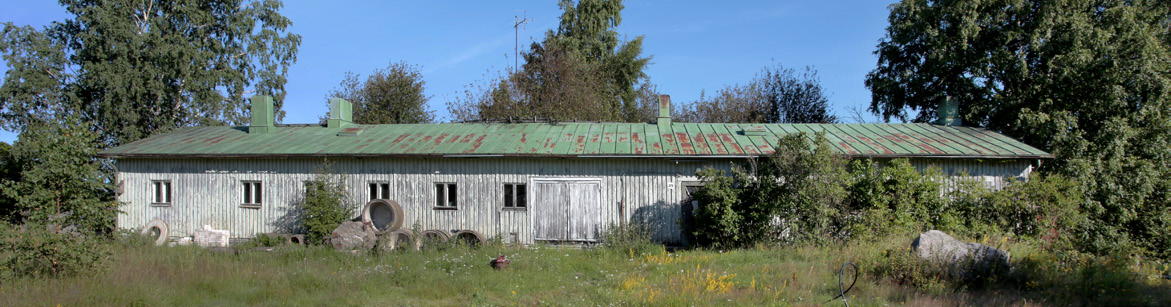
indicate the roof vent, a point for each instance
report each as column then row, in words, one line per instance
column 340, row 113
column 756, row 130
column 664, row 110
column 948, row 113
column 262, row 120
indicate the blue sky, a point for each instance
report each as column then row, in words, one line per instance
column 696, row 45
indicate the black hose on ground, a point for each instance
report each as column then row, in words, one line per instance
column 842, row 292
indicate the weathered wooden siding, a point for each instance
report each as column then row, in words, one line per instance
column 209, row 191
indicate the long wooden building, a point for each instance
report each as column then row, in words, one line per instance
column 524, row 182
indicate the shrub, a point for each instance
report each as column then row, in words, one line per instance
column 791, row 196
column 33, row 250
column 896, row 197
column 325, row 205
column 803, row 194
column 717, row 223
column 633, row 238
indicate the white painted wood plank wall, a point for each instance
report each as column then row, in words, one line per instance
column 209, row 191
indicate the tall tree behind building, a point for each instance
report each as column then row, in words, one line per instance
column 1088, row 81
column 776, row 95
column 393, row 95
column 136, row 68
column 580, row 71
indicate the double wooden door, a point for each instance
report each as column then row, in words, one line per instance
column 566, row 209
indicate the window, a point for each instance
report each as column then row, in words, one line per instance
column 379, row 190
column 514, row 195
column 252, row 193
column 445, row 196
column 162, row 192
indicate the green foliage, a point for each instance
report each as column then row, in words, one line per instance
column 325, row 205
column 1087, row 81
column 60, row 181
column 393, row 95
column 794, row 98
column 262, row 240
column 133, row 69
column 776, row 95
column 9, row 172
column 36, row 250
column 808, row 188
column 633, row 238
column 718, row 221
column 581, row 71
column 897, row 197
column 792, row 196
column 804, row 194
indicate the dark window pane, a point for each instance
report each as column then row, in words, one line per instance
column 385, row 191
column 167, row 192
column 258, row 193
column 520, row 195
column 508, row 199
column 247, row 192
column 373, row 191
column 439, row 195
column 451, row 196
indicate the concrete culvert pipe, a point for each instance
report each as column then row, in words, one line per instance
column 384, row 214
column 431, row 236
column 158, row 230
column 470, row 238
column 297, row 239
column 402, row 239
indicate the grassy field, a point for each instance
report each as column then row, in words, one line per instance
column 141, row 275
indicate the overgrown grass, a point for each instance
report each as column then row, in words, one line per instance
column 143, row 275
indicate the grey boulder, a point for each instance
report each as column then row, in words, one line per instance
column 940, row 248
column 352, row 235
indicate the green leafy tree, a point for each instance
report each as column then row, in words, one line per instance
column 580, row 71
column 776, row 95
column 795, row 98
column 393, row 95
column 135, row 68
column 791, row 196
column 325, row 205
column 60, row 181
column 1088, row 81
column 9, row 171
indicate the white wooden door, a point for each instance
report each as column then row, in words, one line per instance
column 566, row 209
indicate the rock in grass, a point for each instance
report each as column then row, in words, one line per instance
column 941, row 248
column 352, row 235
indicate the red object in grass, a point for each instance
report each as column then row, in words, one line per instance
column 499, row 263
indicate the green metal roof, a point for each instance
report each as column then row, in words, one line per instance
column 574, row 140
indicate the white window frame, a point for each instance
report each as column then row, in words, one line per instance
column 252, row 192
column 511, row 201
column 162, row 193
column 377, row 190
column 446, row 196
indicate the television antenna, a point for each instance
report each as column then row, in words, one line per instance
column 518, row 24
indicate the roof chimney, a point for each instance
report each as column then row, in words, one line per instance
column 664, row 110
column 262, row 120
column 340, row 113
column 948, row 113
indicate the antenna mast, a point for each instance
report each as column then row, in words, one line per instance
column 516, row 26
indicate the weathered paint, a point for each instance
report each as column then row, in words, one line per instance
column 209, row 191
column 573, row 140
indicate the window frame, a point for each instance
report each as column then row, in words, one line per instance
column 510, row 200
column 155, row 193
column 446, row 196
column 255, row 189
column 377, row 187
